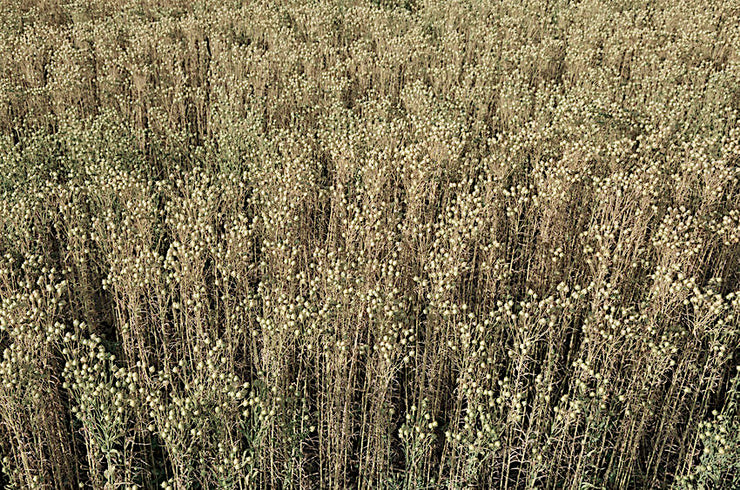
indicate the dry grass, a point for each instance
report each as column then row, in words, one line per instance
column 370, row 244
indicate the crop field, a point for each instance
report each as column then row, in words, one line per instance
column 370, row 244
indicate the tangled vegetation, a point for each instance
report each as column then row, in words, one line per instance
column 370, row 244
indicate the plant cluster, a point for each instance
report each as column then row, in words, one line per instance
column 370, row 244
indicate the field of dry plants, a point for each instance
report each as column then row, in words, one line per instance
column 370, row 244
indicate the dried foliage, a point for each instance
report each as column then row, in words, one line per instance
column 370, row 244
